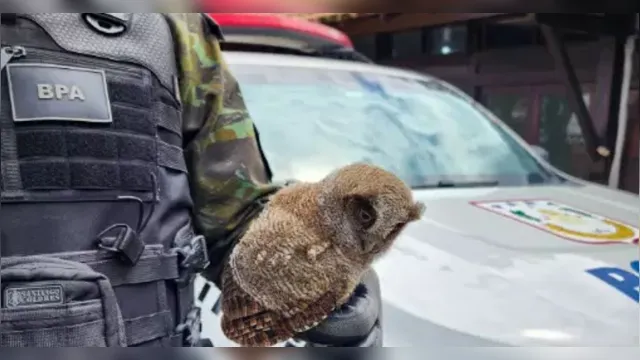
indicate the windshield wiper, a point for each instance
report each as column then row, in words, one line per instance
column 457, row 184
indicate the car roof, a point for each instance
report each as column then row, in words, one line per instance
column 254, row 58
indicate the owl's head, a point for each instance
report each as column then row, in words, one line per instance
column 366, row 207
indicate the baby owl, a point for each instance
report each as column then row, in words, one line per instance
column 304, row 255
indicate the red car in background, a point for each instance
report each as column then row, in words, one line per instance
column 276, row 33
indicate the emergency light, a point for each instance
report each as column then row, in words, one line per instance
column 287, row 26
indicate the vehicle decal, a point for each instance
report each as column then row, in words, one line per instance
column 564, row 221
column 625, row 281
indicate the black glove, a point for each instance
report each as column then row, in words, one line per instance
column 356, row 324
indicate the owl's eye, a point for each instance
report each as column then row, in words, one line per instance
column 364, row 212
column 365, row 216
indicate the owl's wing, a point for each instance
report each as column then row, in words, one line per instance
column 247, row 323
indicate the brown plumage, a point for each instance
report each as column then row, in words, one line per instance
column 304, row 255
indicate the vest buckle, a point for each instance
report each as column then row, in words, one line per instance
column 124, row 242
column 191, row 327
column 193, row 258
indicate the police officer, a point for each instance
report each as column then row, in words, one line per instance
column 129, row 164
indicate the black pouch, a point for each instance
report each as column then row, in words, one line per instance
column 51, row 302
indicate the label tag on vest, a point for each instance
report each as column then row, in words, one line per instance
column 45, row 92
column 15, row 297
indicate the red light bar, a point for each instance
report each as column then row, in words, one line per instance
column 281, row 22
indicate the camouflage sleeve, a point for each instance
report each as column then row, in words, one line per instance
column 227, row 172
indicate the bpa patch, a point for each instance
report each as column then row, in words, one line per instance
column 45, row 92
column 15, row 297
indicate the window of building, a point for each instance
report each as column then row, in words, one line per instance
column 407, row 44
column 630, row 173
column 508, row 35
column 448, row 40
column 576, row 37
column 365, row 44
column 384, row 46
column 542, row 116
column 561, row 135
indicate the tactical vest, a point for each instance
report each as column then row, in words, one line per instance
column 97, row 247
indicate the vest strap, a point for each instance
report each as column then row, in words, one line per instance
column 166, row 116
column 171, row 157
column 154, row 265
column 11, row 178
column 147, row 328
column 148, row 269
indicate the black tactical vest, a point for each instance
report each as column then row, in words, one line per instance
column 97, row 248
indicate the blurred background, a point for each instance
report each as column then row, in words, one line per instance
column 504, row 60
column 532, row 70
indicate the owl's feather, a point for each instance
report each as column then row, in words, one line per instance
column 248, row 323
column 276, row 283
column 285, row 263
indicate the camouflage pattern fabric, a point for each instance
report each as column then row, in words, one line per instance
column 228, row 177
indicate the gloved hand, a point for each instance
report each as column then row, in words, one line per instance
column 356, row 324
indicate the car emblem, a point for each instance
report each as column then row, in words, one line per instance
column 564, row 221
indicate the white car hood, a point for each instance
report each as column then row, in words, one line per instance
column 467, row 276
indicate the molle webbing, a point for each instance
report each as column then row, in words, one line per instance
column 76, row 166
column 117, row 156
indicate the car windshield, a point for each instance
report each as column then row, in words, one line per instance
column 312, row 121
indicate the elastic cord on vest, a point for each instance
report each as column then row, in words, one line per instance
column 127, row 243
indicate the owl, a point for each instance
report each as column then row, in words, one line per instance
column 303, row 256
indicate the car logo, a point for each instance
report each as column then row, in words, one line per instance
column 564, row 221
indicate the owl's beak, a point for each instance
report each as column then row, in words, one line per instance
column 367, row 245
column 417, row 211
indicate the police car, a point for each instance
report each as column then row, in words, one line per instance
column 510, row 252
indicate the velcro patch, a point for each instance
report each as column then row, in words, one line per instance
column 45, row 92
column 15, row 297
